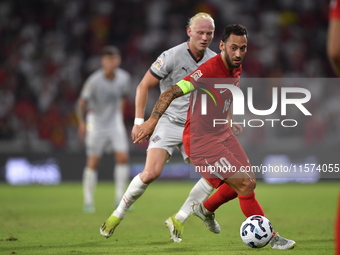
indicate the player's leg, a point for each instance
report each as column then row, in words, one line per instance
column 222, row 155
column 237, row 157
column 168, row 136
column 155, row 160
column 121, row 174
column 199, row 193
column 90, row 177
column 223, row 195
column 244, row 183
column 241, row 184
column 154, row 164
column 158, row 153
column 120, row 146
column 94, row 143
column 230, row 154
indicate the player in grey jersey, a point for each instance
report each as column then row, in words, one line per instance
column 101, row 103
column 170, row 67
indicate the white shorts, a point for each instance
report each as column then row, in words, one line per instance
column 168, row 136
column 112, row 140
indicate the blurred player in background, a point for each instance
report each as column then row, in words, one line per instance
column 333, row 50
column 100, row 114
column 209, row 145
column 170, row 67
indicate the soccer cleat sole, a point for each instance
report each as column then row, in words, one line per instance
column 106, row 234
column 292, row 247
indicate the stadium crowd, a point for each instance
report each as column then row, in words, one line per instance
column 48, row 48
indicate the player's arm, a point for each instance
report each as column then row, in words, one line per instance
column 236, row 128
column 81, row 114
column 333, row 44
column 181, row 88
column 146, row 83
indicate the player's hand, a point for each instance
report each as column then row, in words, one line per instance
column 135, row 132
column 237, row 129
column 82, row 129
column 146, row 130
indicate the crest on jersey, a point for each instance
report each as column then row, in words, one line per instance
column 196, row 75
column 158, row 64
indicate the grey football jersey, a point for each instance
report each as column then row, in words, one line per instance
column 104, row 97
column 171, row 67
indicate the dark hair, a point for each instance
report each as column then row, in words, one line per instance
column 235, row 29
column 110, row 50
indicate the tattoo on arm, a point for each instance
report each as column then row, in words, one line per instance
column 165, row 99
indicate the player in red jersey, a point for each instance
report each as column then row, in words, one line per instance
column 333, row 42
column 210, row 146
column 333, row 51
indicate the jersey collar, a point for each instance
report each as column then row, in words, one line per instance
column 192, row 55
column 225, row 69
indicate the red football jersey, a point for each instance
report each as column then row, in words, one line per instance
column 209, row 103
column 334, row 9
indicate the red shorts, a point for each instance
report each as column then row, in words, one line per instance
column 217, row 161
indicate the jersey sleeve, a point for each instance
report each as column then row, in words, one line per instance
column 162, row 66
column 334, row 9
column 190, row 82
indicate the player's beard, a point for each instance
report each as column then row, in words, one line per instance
column 228, row 59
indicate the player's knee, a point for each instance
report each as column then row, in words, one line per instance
column 246, row 186
column 149, row 175
column 251, row 176
column 122, row 159
column 92, row 163
column 249, row 185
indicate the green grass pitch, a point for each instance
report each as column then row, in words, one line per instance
column 49, row 220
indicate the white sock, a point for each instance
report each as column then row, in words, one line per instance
column 133, row 192
column 89, row 185
column 121, row 177
column 198, row 194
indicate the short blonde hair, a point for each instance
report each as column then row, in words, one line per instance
column 199, row 16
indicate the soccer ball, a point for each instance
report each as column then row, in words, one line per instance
column 256, row 231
